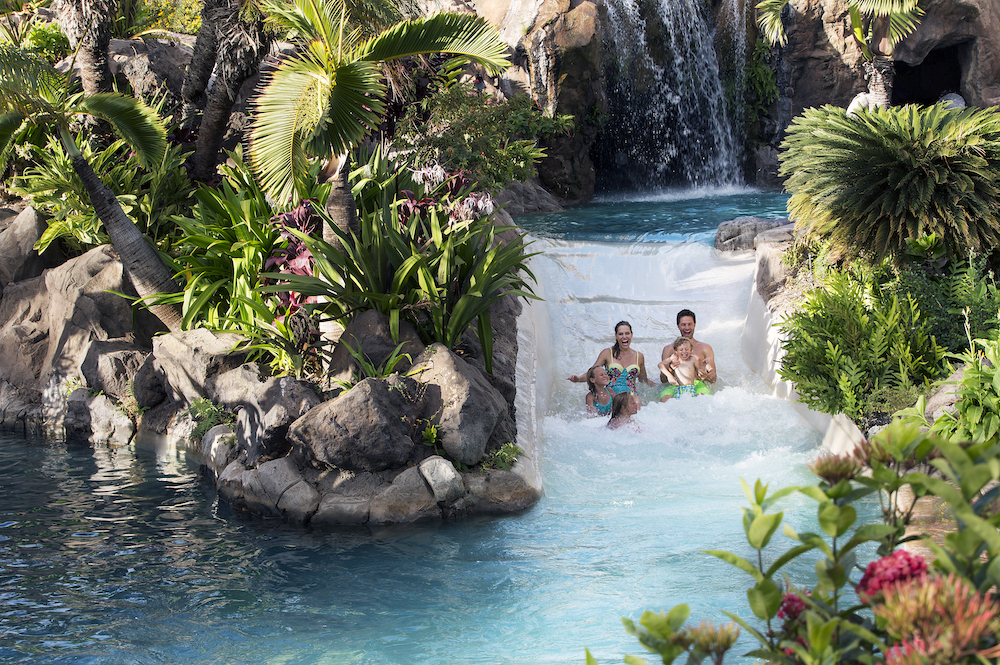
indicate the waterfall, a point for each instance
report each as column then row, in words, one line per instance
column 668, row 121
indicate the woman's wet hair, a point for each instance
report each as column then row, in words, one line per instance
column 618, row 404
column 616, row 349
column 681, row 341
column 590, row 378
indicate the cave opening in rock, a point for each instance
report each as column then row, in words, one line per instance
column 939, row 73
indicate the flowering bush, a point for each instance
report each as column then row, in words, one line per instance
column 910, row 613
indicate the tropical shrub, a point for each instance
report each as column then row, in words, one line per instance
column 149, row 196
column 47, row 40
column 946, row 294
column 182, row 16
column 894, row 609
column 493, row 141
column 852, row 338
column 428, row 256
column 874, row 180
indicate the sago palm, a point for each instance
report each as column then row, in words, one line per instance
column 34, row 92
column 328, row 96
column 877, row 26
column 876, row 179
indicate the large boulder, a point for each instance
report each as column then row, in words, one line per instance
column 110, row 367
column 467, row 407
column 740, row 233
column 188, row 359
column 97, row 419
column 363, row 429
column 265, row 407
column 368, row 333
column 407, row 499
column 18, row 258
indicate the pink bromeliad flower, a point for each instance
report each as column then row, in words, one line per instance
column 881, row 573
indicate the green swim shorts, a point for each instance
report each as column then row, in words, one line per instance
column 696, row 388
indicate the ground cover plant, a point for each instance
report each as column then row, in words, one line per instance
column 896, row 609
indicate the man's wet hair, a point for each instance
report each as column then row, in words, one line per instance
column 686, row 312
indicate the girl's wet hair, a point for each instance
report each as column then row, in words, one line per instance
column 616, row 349
column 618, row 404
column 590, row 378
column 680, row 341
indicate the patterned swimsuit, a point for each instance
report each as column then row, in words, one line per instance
column 622, row 378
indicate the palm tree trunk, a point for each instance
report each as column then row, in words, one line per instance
column 147, row 271
column 340, row 205
column 87, row 23
column 239, row 53
column 199, row 70
column 880, row 71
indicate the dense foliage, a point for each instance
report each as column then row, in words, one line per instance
column 896, row 609
column 875, row 180
column 493, row 141
column 852, row 338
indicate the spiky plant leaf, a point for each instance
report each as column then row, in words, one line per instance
column 769, row 20
column 872, row 181
column 9, row 123
column 133, row 120
column 465, row 35
column 29, row 84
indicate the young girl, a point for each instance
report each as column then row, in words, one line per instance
column 622, row 410
column 599, row 397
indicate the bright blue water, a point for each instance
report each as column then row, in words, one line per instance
column 126, row 556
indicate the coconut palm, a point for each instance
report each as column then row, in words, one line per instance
column 878, row 178
column 331, row 94
column 231, row 42
column 88, row 25
column 877, row 25
column 34, row 92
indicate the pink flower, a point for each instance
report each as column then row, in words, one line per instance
column 881, row 573
column 792, row 606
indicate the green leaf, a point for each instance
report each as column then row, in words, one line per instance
column 765, row 599
column 836, row 520
column 762, row 528
column 739, row 562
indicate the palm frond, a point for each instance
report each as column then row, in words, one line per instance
column 885, row 7
column 291, row 106
column 29, row 84
column 902, row 24
column 460, row 34
column 10, row 122
column 134, row 121
column 769, row 20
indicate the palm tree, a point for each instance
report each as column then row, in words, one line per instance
column 877, row 25
column 328, row 96
column 34, row 92
column 88, row 24
column 877, row 179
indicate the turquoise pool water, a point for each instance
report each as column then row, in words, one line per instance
column 127, row 556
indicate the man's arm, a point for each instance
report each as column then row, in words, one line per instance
column 708, row 362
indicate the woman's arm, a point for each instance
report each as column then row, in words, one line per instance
column 642, row 370
column 603, row 359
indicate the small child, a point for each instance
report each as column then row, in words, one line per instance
column 623, row 407
column 683, row 372
column 599, row 397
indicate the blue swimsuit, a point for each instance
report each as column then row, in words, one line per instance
column 603, row 409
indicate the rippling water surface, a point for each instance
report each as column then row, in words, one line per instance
column 126, row 556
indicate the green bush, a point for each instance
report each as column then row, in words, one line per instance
column 427, row 254
column 877, row 179
column 853, row 338
column 945, row 295
column 495, row 142
column 149, row 197
column 182, row 16
column 896, row 609
column 47, row 40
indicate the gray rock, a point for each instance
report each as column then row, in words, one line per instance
column 526, row 198
column 497, row 492
column 277, row 487
column 944, row 398
column 466, row 405
column 148, row 384
column 445, row 482
column 369, row 333
column 739, row 234
column 218, row 449
column 265, row 407
column 336, row 509
column 110, row 366
column 363, row 429
column 408, row 499
column 18, row 258
column 188, row 359
column 97, row 419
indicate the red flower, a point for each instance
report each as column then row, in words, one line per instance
column 791, row 607
column 881, row 573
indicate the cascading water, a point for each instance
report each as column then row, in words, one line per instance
column 668, row 121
